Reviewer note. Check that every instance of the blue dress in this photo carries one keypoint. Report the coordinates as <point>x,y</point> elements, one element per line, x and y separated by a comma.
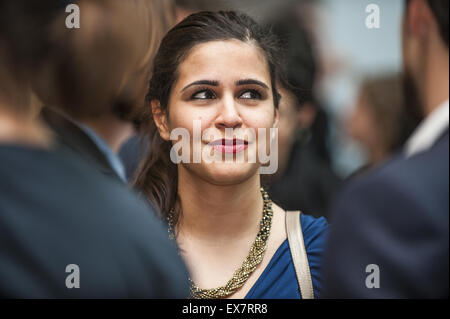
<point>278,280</point>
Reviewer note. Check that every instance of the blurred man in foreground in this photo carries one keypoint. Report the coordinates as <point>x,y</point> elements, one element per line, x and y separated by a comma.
<point>390,235</point>
<point>66,230</point>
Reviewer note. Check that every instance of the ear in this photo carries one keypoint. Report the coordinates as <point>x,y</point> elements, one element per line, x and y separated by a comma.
<point>419,18</point>
<point>273,134</point>
<point>276,118</point>
<point>160,118</point>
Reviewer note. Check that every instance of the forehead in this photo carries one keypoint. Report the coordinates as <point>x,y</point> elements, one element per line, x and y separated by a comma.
<point>224,61</point>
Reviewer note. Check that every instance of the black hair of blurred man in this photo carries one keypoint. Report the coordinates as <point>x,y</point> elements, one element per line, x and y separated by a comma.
<point>300,71</point>
<point>304,179</point>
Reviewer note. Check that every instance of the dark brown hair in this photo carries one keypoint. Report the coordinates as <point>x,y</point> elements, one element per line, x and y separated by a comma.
<point>101,68</point>
<point>157,178</point>
<point>17,40</point>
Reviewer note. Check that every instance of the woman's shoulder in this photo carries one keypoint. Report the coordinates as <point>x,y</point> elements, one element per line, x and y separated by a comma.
<point>315,230</point>
<point>311,224</point>
<point>279,279</point>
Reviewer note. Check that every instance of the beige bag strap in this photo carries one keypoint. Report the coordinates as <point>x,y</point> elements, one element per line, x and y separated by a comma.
<point>298,252</point>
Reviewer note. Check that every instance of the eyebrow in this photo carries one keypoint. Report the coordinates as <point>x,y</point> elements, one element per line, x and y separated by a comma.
<point>216,83</point>
<point>252,81</point>
<point>201,82</point>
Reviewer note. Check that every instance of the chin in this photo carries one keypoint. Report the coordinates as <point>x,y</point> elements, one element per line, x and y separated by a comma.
<point>226,173</point>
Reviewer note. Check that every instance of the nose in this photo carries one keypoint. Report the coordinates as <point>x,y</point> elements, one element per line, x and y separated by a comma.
<point>229,116</point>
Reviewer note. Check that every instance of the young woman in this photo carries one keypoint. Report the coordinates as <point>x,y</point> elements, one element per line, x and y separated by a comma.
<point>220,70</point>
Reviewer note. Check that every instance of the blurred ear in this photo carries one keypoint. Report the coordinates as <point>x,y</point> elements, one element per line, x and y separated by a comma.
<point>276,118</point>
<point>419,18</point>
<point>160,118</point>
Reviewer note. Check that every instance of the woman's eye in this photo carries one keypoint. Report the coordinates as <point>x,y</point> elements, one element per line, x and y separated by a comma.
<point>204,95</point>
<point>251,95</point>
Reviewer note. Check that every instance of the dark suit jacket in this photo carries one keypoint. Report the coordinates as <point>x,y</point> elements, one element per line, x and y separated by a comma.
<point>56,210</point>
<point>72,137</point>
<point>396,217</point>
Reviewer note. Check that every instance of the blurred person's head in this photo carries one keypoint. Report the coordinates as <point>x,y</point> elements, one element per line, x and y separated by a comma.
<point>379,120</point>
<point>425,54</point>
<point>184,8</point>
<point>298,107</point>
<point>102,68</point>
<point>259,10</point>
<point>14,90</point>
<point>18,123</point>
<point>220,68</point>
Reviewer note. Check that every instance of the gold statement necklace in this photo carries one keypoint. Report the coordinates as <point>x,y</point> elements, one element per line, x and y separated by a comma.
<point>250,263</point>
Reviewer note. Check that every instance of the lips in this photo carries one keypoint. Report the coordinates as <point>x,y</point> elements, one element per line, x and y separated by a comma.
<point>229,145</point>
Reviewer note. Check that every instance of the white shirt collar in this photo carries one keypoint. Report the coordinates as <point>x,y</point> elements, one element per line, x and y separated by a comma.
<point>429,130</point>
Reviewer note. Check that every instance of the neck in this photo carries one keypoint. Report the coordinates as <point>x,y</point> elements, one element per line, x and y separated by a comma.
<point>437,82</point>
<point>218,212</point>
<point>111,129</point>
<point>22,129</point>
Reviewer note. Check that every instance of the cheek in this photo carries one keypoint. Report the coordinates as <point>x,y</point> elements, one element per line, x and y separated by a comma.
<point>184,116</point>
<point>259,118</point>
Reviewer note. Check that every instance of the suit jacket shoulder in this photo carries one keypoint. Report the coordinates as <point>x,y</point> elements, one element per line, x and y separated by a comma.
<point>56,210</point>
<point>71,137</point>
<point>395,217</point>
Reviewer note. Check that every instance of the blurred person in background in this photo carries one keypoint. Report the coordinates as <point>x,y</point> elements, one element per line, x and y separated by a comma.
<point>66,230</point>
<point>304,177</point>
<point>185,8</point>
<point>390,233</point>
<point>92,120</point>
<point>380,120</point>
<point>260,10</point>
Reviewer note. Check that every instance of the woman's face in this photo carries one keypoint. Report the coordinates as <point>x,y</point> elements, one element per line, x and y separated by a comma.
<point>226,86</point>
